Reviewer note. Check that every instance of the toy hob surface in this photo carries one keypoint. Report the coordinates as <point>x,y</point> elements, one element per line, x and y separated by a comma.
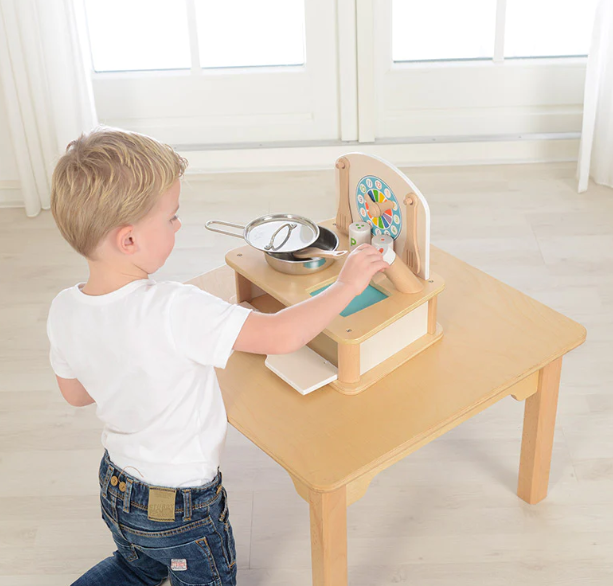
<point>388,327</point>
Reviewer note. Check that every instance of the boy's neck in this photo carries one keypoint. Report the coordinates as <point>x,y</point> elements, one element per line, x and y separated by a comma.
<point>105,278</point>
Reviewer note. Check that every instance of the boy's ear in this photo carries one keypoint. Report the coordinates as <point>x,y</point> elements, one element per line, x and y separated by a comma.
<point>125,240</point>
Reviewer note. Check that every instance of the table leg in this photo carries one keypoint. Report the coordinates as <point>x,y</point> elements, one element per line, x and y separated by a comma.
<point>329,537</point>
<point>537,441</point>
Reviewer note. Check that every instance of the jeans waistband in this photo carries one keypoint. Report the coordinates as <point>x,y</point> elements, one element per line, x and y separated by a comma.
<point>117,483</point>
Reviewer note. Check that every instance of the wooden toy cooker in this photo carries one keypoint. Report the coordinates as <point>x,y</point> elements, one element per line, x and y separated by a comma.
<point>370,343</point>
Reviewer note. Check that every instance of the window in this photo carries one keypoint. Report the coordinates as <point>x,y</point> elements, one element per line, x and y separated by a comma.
<point>235,33</point>
<point>443,29</point>
<point>211,72</point>
<point>218,72</point>
<point>548,28</point>
<point>450,30</point>
<point>466,70</point>
<point>141,35</point>
<point>137,35</point>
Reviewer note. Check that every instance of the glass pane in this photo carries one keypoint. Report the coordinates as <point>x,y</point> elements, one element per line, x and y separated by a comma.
<point>132,35</point>
<point>548,27</point>
<point>243,33</point>
<point>443,29</point>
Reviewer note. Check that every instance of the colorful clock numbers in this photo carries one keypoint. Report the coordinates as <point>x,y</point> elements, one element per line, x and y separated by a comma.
<point>378,206</point>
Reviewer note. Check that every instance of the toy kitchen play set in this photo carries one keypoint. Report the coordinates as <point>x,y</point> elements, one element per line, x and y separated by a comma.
<point>290,259</point>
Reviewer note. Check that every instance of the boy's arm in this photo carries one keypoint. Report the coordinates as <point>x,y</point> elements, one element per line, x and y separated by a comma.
<point>74,392</point>
<point>292,328</point>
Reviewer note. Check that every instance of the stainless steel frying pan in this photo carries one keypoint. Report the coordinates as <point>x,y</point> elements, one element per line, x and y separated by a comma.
<point>273,233</point>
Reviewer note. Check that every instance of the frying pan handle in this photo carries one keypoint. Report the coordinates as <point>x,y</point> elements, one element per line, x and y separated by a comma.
<point>220,223</point>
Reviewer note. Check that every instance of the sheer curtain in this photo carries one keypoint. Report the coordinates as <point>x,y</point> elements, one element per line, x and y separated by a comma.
<point>45,77</point>
<point>596,151</point>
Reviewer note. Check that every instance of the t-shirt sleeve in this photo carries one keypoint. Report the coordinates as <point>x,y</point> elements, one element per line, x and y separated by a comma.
<point>58,362</point>
<point>205,327</point>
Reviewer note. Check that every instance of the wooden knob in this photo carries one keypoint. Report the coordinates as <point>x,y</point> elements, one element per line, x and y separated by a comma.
<point>376,209</point>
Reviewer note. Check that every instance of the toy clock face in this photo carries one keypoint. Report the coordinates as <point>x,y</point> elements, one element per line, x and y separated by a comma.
<point>377,205</point>
<point>377,194</point>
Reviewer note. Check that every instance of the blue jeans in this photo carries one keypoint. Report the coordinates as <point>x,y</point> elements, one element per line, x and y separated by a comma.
<point>197,548</point>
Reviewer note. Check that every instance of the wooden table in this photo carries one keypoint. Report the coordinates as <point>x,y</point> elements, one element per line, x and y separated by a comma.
<point>497,342</point>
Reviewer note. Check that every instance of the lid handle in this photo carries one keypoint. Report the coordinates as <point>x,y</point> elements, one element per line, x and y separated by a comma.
<point>271,246</point>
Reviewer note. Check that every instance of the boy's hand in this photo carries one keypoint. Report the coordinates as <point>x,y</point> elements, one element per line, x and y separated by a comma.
<point>361,266</point>
<point>295,326</point>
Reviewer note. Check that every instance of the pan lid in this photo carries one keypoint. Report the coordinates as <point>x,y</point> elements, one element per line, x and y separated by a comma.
<point>281,233</point>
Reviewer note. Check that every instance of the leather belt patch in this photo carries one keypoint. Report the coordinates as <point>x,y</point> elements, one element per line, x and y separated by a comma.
<point>161,505</point>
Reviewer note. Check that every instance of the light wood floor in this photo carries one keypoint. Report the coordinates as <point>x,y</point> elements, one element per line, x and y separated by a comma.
<point>446,515</point>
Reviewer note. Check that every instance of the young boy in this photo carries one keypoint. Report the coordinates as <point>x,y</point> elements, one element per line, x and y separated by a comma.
<point>145,353</point>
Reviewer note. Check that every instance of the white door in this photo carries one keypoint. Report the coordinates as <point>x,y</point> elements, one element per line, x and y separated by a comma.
<point>206,72</point>
<point>444,68</point>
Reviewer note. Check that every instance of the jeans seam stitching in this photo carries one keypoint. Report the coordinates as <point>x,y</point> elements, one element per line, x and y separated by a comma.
<point>113,522</point>
<point>168,532</point>
<point>223,549</point>
<point>209,554</point>
<point>227,526</point>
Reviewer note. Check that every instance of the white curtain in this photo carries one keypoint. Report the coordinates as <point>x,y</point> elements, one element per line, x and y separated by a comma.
<point>596,151</point>
<point>45,77</point>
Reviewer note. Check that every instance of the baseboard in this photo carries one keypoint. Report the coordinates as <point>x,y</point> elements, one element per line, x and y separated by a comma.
<point>435,152</point>
<point>10,194</point>
<point>303,157</point>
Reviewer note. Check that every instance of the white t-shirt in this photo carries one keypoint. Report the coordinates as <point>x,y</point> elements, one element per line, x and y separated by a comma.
<point>146,354</point>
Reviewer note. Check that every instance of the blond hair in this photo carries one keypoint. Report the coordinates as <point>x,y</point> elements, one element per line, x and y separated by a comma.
<point>107,179</point>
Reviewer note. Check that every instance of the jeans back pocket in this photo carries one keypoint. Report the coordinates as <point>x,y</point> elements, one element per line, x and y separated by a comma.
<point>191,563</point>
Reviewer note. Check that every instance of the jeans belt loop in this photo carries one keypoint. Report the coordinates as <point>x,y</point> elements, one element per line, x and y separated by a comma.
<point>126,495</point>
<point>107,479</point>
<point>187,505</point>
